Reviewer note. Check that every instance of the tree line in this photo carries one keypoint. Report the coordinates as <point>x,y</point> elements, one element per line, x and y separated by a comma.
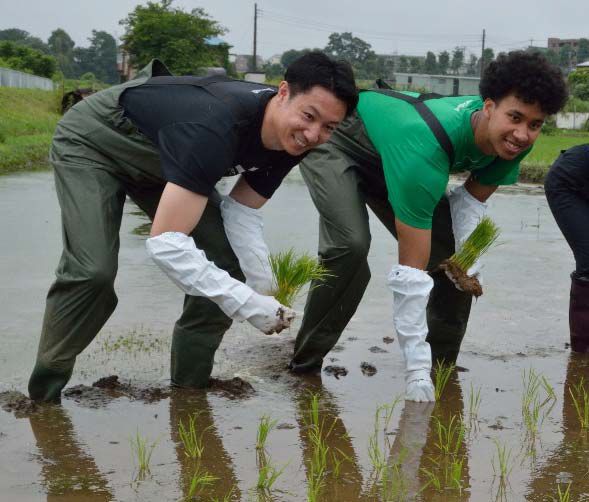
<point>22,51</point>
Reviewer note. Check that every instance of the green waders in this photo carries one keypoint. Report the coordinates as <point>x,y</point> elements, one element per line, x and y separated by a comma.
<point>99,158</point>
<point>342,177</point>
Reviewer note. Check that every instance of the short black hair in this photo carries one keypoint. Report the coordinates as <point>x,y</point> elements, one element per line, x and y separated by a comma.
<point>527,75</point>
<point>316,68</point>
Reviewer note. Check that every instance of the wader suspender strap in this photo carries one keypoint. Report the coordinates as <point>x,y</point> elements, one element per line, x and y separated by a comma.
<point>426,114</point>
<point>243,120</point>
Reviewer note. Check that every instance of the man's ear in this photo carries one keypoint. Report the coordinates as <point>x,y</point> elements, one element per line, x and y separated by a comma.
<point>283,90</point>
<point>488,107</point>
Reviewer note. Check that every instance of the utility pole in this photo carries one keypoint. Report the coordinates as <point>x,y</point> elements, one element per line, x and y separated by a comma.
<point>255,63</point>
<point>482,56</point>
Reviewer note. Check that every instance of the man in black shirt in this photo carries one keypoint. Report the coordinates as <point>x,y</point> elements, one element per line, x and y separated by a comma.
<point>165,142</point>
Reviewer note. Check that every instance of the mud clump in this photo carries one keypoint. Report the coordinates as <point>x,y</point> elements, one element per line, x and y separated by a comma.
<point>377,350</point>
<point>388,339</point>
<point>336,371</point>
<point>109,382</point>
<point>17,403</point>
<point>466,283</point>
<point>368,369</point>
<point>234,388</point>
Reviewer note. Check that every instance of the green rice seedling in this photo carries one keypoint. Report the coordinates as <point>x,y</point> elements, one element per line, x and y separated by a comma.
<point>564,496</point>
<point>227,498</point>
<point>337,462</point>
<point>199,481</point>
<point>450,437</point>
<point>264,428</point>
<point>442,375</point>
<point>535,408</point>
<point>377,455</point>
<point>393,482</point>
<point>142,451</point>
<point>267,476</point>
<point>191,439</point>
<point>432,478</point>
<point>477,244</point>
<point>317,434</point>
<point>292,272</point>
<point>504,465</point>
<point>580,398</point>
<point>474,403</point>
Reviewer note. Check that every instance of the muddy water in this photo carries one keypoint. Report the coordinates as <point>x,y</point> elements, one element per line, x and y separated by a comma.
<point>81,450</point>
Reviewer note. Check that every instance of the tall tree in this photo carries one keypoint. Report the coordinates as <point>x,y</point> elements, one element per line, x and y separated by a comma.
<point>61,46</point>
<point>100,57</point>
<point>415,65</point>
<point>565,56</point>
<point>430,65</point>
<point>457,60</point>
<point>443,62</point>
<point>22,37</point>
<point>583,50</point>
<point>403,64</point>
<point>487,56</point>
<point>472,66</point>
<point>348,47</point>
<point>173,35</point>
<point>19,57</point>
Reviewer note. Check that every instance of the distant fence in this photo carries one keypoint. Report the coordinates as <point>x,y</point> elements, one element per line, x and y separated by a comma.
<point>572,120</point>
<point>14,78</point>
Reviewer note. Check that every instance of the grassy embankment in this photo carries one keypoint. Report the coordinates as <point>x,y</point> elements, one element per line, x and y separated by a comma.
<point>545,151</point>
<point>27,121</point>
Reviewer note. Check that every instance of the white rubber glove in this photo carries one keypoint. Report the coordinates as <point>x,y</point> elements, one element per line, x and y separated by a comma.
<point>466,212</point>
<point>244,228</point>
<point>188,267</point>
<point>411,288</point>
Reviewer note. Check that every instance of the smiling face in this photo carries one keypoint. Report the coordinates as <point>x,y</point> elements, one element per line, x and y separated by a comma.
<point>512,126</point>
<point>301,122</point>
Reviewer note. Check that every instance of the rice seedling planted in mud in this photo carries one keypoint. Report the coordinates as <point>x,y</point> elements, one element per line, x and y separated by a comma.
<point>534,407</point>
<point>267,476</point>
<point>442,373</point>
<point>477,244</point>
<point>191,438</point>
<point>474,403</point>
<point>449,437</point>
<point>199,481</point>
<point>580,398</point>
<point>292,272</point>
<point>504,463</point>
<point>264,428</point>
<point>142,450</point>
<point>564,495</point>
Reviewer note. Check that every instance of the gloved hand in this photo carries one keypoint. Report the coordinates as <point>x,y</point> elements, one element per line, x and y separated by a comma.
<point>244,228</point>
<point>266,314</point>
<point>411,288</point>
<point>188,267</point>
<point>466,212</point>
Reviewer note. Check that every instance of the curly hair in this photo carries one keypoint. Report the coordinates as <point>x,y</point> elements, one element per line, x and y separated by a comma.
<point>527,75</point>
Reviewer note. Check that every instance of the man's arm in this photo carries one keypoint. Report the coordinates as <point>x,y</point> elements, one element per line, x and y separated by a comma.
<point>479,191</point>
<point>244,228</point>
<point>174,251</point>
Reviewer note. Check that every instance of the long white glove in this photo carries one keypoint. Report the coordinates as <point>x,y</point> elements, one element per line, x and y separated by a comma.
<point>411,288</point>
<point>188,267</point>
<point>244,228</point>
<point>466,212</point>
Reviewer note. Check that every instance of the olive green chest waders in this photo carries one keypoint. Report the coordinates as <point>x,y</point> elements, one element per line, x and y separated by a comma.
<point>99,158</point>
<point>344,176</point>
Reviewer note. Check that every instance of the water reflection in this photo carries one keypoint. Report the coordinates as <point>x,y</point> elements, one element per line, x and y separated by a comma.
<point>68,471</point>
<point>568,463</point>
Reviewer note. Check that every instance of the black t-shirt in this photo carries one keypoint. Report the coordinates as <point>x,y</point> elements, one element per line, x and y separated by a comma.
<point>206,129</point>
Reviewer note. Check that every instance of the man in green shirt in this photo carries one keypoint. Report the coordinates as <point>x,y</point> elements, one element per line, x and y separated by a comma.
<point>395,156</point>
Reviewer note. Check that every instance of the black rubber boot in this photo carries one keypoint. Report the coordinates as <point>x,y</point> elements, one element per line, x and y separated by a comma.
<point>579,313</point>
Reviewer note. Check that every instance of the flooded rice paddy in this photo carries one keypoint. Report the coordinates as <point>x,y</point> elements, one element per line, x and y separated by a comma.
<point>506,429</point>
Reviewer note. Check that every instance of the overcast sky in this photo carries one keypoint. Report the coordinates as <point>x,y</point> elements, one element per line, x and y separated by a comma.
<point>390,26</point>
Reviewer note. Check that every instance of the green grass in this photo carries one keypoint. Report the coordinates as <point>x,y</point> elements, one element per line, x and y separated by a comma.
<point>545,151</point>
<point>27,121</point>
